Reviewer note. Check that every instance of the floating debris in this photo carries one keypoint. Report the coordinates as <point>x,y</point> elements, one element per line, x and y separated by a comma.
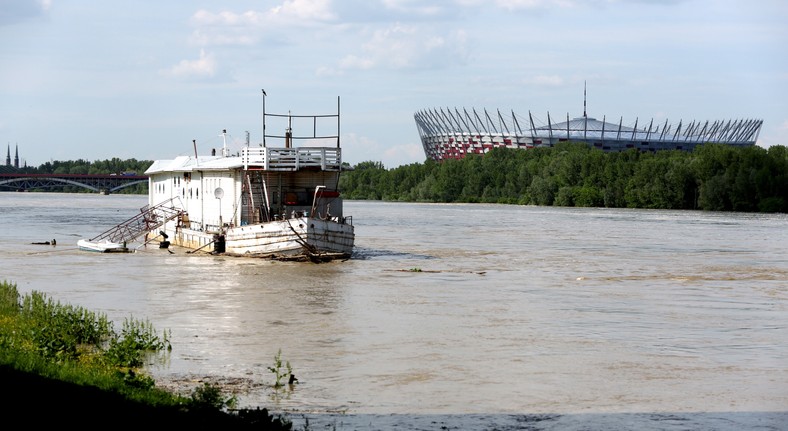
<point>436,271</point>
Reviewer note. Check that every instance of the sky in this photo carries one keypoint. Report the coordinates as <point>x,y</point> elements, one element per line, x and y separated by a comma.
<point>142,79</point>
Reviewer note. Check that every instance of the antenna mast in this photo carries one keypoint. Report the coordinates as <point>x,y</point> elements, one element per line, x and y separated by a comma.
<point>264,116</point>
<point>584,100</point>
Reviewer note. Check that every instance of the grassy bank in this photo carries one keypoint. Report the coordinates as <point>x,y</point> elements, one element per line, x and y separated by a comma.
<point>65,365</point>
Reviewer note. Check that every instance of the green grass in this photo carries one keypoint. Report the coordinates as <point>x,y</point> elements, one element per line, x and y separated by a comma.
<point>62,364</point>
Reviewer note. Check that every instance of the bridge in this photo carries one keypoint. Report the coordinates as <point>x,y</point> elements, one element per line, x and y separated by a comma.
<point>99,183</point>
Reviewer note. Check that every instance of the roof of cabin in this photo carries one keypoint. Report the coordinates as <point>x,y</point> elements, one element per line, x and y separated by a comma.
<point>189,164</point>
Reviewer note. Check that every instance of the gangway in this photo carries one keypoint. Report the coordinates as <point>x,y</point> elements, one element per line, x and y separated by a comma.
<point>150,218</point>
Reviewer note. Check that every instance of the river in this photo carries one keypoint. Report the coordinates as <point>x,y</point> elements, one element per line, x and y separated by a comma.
<point>454,316</point>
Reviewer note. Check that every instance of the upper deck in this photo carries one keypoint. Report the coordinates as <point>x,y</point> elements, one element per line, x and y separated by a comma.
<point>292,159</point>
<point>284,156</point>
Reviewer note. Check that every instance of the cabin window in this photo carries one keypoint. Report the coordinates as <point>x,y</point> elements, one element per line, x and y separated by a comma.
<point>197,193</point>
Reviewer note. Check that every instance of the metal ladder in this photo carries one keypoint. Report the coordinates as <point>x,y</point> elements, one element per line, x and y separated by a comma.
<point>149,218</point>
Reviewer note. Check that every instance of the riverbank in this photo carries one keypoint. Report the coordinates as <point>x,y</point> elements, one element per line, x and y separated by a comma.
<point>40,401</point>
<point>65,365</point>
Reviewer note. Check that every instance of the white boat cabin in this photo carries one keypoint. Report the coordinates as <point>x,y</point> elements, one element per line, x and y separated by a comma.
<point>258,185</point>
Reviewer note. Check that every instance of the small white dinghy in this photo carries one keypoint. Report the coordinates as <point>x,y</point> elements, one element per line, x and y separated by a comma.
<point>102,246</point>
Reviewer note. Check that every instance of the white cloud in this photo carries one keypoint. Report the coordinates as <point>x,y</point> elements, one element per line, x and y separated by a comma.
<point>413,7</point>
<point>404,154</point>
<point>308,10</point>
<point>292,11</point>
<point>326,71</point>
<point>401,46</point>
<point>250,27</point>
<point>355,62</point>
<point>514,5</point>
<point>205,18</point>
<point>205,66</point>
<point>239,37</point>
<point>397,45</point>
<point>227,28</point>
<point>532,4</point>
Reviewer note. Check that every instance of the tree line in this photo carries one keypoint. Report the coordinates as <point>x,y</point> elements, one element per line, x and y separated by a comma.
<point>713,177</point>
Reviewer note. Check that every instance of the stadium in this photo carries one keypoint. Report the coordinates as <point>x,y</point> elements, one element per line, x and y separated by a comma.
<point>452,134</point>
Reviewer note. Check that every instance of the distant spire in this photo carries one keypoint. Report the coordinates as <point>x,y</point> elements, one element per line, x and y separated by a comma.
<point>584,100</point>
<point>8,157</point>
<point>16,157</point>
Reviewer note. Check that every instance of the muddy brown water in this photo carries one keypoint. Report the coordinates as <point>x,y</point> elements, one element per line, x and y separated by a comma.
<point>454,316</point>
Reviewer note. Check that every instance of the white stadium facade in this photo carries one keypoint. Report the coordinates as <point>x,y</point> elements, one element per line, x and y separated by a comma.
<point>452,134</point>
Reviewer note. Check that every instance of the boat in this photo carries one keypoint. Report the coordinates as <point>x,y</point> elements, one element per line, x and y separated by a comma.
<point>102,246</point>
<point>275,199</point>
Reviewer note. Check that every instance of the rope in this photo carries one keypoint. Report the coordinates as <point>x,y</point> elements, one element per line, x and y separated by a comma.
<point>201,247</point>
<point>311,250</point>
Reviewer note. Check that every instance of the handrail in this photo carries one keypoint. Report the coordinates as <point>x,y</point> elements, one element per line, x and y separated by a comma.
<point>149,218</point>
<point>292,159</point>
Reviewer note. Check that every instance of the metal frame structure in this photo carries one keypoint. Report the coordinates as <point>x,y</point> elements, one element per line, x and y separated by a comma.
<point>452,134</point>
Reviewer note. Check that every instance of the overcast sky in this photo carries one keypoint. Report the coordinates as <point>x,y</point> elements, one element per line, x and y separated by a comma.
<point>141,79</point>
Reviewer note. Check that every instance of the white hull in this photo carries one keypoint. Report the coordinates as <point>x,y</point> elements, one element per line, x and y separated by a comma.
<point>102,246</point>
<point>306,238</point>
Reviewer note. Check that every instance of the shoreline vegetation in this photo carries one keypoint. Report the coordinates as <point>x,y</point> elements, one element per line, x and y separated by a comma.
<point>712,177</point>
<point>66,365</point>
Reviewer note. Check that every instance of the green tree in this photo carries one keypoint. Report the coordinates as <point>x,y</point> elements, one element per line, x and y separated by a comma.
<point>713,177</point>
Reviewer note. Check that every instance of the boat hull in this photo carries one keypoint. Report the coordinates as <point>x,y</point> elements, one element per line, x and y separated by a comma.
<point>102,246</point>
<point>292,239</point>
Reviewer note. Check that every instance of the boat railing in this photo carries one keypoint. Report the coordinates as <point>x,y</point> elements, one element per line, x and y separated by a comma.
<point>149,218</point>
<point>292,159</point>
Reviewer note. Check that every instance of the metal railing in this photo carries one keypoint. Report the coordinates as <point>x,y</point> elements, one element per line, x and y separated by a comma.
<point>292,159</point>
<point>149,218</point>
